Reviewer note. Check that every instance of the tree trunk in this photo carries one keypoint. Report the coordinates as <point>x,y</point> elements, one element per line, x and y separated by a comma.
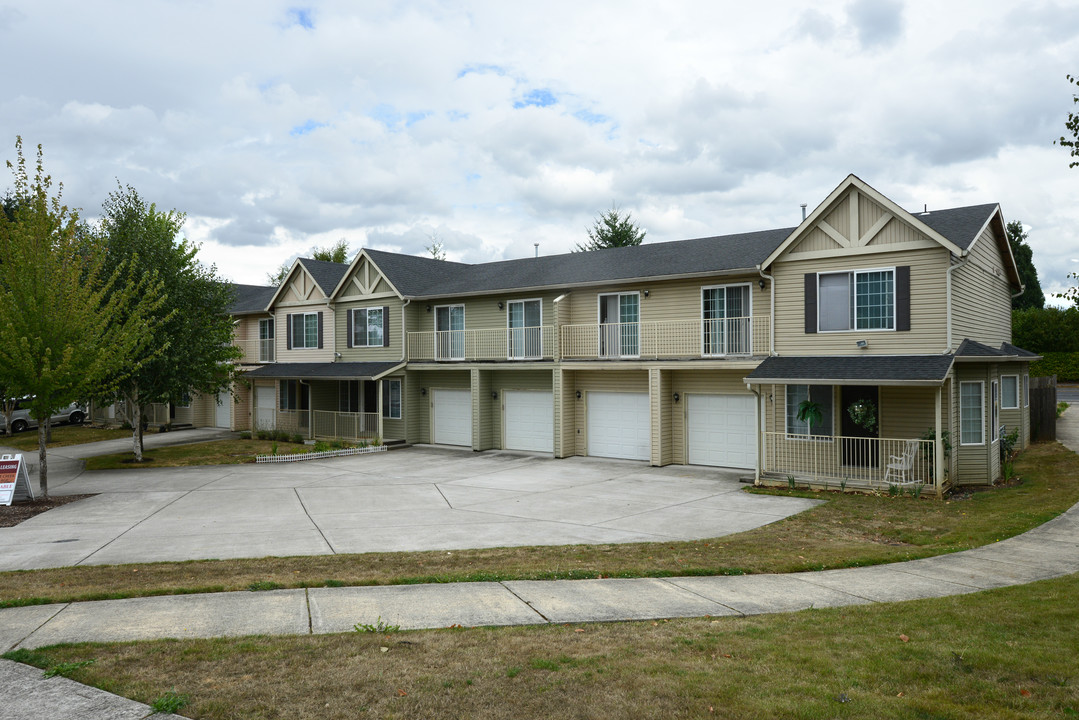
<point>48,429</point>
<point>135,414</point>
<point>42,474</point>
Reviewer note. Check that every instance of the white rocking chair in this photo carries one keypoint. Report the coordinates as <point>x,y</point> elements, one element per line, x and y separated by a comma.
<point>900,468</point>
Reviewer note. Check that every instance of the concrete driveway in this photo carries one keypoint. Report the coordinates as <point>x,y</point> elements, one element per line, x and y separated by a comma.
<point>421,498</point>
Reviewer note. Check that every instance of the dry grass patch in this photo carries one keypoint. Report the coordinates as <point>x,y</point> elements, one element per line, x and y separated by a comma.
<point>213,452</point>
<point>847,531</point>
<point>995,654</point>
<point>64,435</point>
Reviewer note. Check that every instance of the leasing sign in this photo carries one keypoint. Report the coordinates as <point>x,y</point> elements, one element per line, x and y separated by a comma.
<point>14,480</point>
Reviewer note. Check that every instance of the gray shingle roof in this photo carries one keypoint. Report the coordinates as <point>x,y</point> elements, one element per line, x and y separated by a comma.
<point>418,277</point>
<point>326,274</point>
<point>960,225</point>
<point>1013,350</point>
<point>324,370</point>
<point>972,348</point>
<point>835,370</point>
<point>250,298</point>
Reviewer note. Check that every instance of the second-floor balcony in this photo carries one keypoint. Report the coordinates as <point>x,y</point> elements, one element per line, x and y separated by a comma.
<point>530,343</point>
<point>256,351</point>
<point>718,338</point>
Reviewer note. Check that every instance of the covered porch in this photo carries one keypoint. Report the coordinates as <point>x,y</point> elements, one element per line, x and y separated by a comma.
<point>874,422</point>
<point>346,401</point>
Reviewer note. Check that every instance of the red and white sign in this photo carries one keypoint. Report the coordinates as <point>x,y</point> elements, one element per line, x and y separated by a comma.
<point>13,475</point>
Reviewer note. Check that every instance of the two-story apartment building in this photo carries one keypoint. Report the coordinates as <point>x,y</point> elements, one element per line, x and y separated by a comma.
<point>894,326</point>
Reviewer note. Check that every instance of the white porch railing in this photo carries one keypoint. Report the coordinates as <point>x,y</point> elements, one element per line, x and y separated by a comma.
<point>256,351</point>
<point>534,343</point>
<point>290,421</point>
<point>345,425</point>
<point>742,336</point>
<point>873,462</point>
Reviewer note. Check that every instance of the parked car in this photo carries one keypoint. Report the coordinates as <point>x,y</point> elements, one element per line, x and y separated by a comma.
<point>21,420</point>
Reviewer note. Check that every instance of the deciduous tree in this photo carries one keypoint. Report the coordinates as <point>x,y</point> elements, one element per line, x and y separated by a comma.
<point>67,327</point>
<point>1032,296</point>
<point>1072,125</point>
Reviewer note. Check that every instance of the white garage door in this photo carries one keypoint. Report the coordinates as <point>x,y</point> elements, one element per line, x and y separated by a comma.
<point>619,425</point>
<point>722,430</point>
<point>452,414</point>
<point>529,420</point>
<point>223,411</point>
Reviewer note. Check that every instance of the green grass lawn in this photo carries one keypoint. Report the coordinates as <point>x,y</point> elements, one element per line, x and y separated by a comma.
<point>1008,653</point>
<point>846,531</point>
<point>64,435</point>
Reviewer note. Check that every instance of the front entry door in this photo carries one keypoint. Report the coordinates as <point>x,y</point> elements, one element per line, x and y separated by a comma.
<point>860,448</point>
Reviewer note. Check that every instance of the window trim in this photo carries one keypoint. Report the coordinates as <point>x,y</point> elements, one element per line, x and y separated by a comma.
<point>854,277</point>
<point>703,319</point>
<point>994,411</point>
<point>366,323</point>
<point>981,408</point>
<point>292,338</point>
<point>523,356</point>
<point>1002,405</point>
<point>599,323</point>
<point>1026,389</point>
<point>387,407</point>
<point>830,437</point>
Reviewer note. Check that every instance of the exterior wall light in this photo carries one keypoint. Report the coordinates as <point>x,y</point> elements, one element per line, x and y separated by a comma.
<point>761,283</point>
<point>494,395</point>
<point>500,305</point>
<point>423,391</point>
<point>676,398</point>
<point>578,394</point>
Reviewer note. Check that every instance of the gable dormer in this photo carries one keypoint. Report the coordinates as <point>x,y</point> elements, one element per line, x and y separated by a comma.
<point>364,280</point>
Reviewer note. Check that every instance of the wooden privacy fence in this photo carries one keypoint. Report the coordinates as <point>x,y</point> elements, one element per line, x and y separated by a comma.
<point>1043,408</point>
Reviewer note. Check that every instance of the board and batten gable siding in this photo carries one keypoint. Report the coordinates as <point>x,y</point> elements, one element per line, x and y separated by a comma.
<point>928,318</point>
<point>981,295</point>
<point>667,301</point>
<point>391,324</point>
<point>363,282</point>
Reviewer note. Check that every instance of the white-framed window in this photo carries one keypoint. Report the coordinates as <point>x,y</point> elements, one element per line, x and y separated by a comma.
<point>620,324</point>
<point>524,319</point>
<point>266,340</point>
<point>391,399</point>
<point>857,300</point>
<point>1026,390</point>
<point>820,394</point>
<point>293,395</point>
<point>972,413</point>
<point>367,324</point>
<point>450,332</point>
<point>726,314</point>
<point>304,330</point>
<point>1009,392</point>
<point>994,411</point>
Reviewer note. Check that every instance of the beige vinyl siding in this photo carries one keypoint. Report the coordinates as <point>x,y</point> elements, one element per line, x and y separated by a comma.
<point>977,464</point>
<point>981,296</point>
<point>369,354</point>
<point>482,313</point>
<point>325,354</point>
<point>417,408</point>
<point>501,381</point>
<point>241,406</point>
<point>483,410</point>
<point>928,324</point>
<point>699,382</point>
<point>202,410</point>
<point>364,281</point>
<point>661,405</point>
<point>184,415</point>
<point>566,414</point>
<point>324,395</point>
<point>908,412</point>
<point>601,381</point>
<point>1016,417</point>
<point>670,300</point>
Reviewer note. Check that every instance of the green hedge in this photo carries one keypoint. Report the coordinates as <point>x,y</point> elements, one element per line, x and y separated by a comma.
<point>1065,365</point>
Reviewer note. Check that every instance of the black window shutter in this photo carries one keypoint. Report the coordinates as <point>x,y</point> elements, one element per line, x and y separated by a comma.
<point>902,297</point>
<point>288,331</point>
<point>385,326</point>
<point>348,328</point>
<point>319,329</point>
<point>811,302</point>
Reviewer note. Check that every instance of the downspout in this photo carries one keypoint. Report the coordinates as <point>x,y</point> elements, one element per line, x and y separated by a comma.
<point>772,309</point>
<point>948,293</point>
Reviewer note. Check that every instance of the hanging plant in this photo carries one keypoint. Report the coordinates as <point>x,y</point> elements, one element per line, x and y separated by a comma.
<point>864,414</point>
<point>810,413</point>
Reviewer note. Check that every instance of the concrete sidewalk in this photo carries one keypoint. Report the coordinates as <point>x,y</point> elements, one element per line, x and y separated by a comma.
<point>1048,551</point>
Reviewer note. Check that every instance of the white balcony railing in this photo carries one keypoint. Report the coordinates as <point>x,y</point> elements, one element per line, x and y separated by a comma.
<point>534,343</point>
<point>256,351</point>
<point>345,425</point>
<point>726,337</point>
<point>858,462</point>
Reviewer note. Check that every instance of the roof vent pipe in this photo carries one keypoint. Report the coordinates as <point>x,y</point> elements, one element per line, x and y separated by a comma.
<point>537,249</point>
<point>803,206</point>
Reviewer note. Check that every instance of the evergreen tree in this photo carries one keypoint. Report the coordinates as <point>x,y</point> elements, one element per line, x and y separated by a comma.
<point>612,229</point>
<point>1032,296</point>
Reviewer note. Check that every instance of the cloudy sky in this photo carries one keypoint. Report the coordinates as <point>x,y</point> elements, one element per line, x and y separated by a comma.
<point>278,127</point>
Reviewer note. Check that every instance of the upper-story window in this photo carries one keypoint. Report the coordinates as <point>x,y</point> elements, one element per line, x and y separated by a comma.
<point>367,327</point>
<point>1009,392</point>
<point>524,318</point>
<point>266,340</point>
<point>304,330</point>
<point>725,320</point>
<point>858,300</point>
<point>620,321</point>
<point>450,332</point>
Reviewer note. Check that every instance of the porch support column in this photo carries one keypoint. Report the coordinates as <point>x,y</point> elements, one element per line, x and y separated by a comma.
<point>938,450</point>
<point>378,405</point>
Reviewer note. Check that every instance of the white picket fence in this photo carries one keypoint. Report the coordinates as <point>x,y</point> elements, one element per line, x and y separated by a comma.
<point>298,457</point>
